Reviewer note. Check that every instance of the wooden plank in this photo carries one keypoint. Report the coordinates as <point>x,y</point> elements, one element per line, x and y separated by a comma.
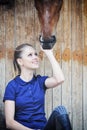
<point>77,64</point>
<point>57,92</point>
<point>24,22</point>
<point>19,22</point>
<point>29,22</point>
<point>2,62</point>
<point>9,32</point>
<point>84,33</point>
<point>49,97</point>
<point>66,57</point>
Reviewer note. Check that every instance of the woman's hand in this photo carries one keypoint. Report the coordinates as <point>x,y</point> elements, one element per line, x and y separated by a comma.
<point>47,51</point>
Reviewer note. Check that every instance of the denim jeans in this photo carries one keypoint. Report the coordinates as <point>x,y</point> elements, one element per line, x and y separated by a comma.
<point>59,120</point>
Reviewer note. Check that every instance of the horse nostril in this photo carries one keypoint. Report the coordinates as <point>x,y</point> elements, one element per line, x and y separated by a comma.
<point>51,39</point>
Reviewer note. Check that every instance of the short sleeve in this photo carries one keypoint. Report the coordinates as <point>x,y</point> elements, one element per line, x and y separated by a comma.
<point>9,92</point>
<point>42,81</point>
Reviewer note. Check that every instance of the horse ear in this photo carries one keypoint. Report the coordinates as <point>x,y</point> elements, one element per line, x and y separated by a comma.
<point>60,4</point>
<point>39,5</point>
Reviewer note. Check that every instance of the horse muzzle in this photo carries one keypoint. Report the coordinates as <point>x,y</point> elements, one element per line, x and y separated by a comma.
<point>47,43</point>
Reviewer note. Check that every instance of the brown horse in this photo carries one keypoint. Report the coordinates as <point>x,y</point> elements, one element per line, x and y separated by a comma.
<point>48,13</point>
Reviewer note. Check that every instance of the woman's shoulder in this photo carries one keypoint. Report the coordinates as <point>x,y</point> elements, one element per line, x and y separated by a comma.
<point>12,83</point>
<point>41,77</point>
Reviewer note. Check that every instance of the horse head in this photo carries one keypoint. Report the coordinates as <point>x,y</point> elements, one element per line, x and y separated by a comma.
<point>48,13</point>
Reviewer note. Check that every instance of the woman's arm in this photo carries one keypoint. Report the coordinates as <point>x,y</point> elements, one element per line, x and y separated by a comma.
<point>58,76</point>
<point>9,115</point>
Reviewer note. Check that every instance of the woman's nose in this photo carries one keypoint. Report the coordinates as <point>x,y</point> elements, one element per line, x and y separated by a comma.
<point>35,56</point>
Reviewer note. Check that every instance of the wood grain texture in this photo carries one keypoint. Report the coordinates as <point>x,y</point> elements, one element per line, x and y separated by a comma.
<point>21,25</point>
<point>76,67</point>
<point>2,62</point>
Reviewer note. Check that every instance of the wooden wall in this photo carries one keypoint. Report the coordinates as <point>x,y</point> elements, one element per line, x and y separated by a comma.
<point>20,25</point>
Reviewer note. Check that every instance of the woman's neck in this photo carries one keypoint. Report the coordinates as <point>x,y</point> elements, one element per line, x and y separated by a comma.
<point>26,76</point>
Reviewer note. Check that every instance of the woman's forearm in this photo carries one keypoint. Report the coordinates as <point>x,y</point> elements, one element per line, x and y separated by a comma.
<point>57,71</point>
<point>14,125</point>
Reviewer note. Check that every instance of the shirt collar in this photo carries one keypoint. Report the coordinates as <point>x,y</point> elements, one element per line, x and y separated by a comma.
<point>22,82</point>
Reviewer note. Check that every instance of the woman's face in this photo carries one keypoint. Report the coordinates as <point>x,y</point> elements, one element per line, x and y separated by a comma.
<point>29,58</point>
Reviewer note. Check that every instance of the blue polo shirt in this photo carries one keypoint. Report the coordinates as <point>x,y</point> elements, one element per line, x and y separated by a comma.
<point>29,100</point>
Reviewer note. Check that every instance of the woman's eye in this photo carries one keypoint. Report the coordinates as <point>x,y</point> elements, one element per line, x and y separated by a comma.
<point>36,54</point>
<point>30,54</point>
<point>33,54</point>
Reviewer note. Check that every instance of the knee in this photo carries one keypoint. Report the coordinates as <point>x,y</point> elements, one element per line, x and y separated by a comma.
<point>60,110</point>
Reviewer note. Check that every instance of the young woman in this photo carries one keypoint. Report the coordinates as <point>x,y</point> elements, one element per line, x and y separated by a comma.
<point>24,95</point>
